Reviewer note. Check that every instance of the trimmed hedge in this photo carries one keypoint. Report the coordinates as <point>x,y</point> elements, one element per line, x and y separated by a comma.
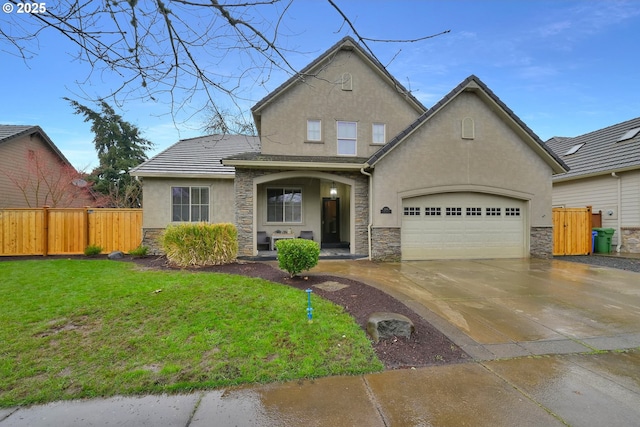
<point>297,255</point>
<point>200,244</point>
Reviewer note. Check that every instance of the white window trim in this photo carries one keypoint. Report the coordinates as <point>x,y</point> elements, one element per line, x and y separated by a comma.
<point>338,139</point>
<point>320,129</point>
<point>373,133</point>
<point>191,187</point>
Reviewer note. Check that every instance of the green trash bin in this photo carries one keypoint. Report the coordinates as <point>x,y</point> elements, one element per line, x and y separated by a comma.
<point>603,240</point>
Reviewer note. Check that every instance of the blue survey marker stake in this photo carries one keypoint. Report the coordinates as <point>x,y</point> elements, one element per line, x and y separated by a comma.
<point>309,309</point>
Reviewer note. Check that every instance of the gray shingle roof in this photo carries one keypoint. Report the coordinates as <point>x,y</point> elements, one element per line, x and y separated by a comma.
<point>10,131</point>
<point>601,153</point>
<point>199,156</point>
<point>470,82</point>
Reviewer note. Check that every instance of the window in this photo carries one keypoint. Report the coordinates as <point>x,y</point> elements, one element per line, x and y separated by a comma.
<point>512,211</point>
<point>453,211</point>
<point>630,134</point>
<point>432,211</point>
<point>378,133</point>
<point>574,149</point>
<point>492,211</point>
<point>347,138</point>
<point>314,130</point>
<point>284,205</point>
<point>474,211</point>
<point>190,204</point>
<point>411,211</point>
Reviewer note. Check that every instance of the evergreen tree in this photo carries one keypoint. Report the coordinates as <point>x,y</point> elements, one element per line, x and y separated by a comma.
<point>120,147</point>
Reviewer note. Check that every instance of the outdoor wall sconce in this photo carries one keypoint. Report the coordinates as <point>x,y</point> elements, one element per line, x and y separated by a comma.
<point>334,191</point>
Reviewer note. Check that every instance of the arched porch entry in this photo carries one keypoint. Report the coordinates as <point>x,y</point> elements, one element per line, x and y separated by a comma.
<point>311,201</point>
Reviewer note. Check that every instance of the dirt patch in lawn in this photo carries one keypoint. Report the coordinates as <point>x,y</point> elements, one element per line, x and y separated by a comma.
<point>426,347</point>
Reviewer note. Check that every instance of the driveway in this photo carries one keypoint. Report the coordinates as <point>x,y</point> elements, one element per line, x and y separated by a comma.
<point>508,308</point>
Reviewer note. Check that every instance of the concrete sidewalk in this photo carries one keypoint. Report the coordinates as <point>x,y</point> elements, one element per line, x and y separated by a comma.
<point>576,390</point>
<point>554,343</point>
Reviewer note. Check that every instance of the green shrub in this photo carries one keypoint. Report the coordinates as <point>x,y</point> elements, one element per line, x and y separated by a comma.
<point>200,244</point>
<point>92,250</point>
<point>140,251</point>
<point>297,255</point>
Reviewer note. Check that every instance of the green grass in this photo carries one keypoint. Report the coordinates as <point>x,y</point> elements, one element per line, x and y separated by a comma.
<point>87,328</point>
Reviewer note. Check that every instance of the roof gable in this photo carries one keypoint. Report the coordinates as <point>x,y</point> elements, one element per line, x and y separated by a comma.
<point>347,44</point>
<point>611,149</point>
<point>474,84</point>
<point>10,132</point>
<point>198,157</point>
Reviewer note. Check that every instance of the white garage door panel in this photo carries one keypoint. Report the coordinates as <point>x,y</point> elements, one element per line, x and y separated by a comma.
<point>465,236</point>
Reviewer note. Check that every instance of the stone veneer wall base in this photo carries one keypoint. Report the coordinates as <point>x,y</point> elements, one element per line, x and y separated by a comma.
<point>630,240</point>
<point>385,244</point>
<point>541,242</point>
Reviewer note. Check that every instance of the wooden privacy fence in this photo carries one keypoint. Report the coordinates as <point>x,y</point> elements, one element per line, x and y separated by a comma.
<point>53,231</point>
<point>572,231</point>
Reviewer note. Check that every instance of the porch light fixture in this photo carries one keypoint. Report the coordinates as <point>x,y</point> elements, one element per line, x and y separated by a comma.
<point>334,191</point>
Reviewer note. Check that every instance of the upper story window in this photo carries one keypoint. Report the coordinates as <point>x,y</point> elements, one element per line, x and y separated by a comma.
<point>190,204</point>
<point>347,138</point>
<point>314,130</point>
<point>378,133</point>
<point>284,205</point>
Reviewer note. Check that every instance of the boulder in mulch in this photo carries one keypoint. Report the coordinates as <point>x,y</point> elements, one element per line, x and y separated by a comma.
<point>383,325</point>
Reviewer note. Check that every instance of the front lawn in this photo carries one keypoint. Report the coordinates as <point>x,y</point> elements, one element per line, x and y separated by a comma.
<point>87,328</point>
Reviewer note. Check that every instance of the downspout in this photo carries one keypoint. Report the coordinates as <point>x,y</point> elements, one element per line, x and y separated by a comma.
<point>370,224</point>
<point>619,178</point>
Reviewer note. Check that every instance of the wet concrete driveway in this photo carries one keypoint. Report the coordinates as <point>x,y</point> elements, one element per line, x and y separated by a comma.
<point>554,343</point>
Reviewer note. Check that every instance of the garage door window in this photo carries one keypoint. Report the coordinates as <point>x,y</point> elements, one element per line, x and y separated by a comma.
<point>411,211</point>
<point>512,211</point>
<point>474,211</point>
<point>453,211</point>
<point>492,211</point>
<point>432,211</point>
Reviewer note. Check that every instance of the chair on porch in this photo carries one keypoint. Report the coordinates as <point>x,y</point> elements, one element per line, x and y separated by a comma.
<point>306,235</point>
<point>263,240</point>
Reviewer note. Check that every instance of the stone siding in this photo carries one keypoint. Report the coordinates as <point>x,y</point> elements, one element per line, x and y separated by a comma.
<point>386,244</point>
<point>541,242</point>
<point>244,198</point>
<point>631,239</point>
<point>151,239</point>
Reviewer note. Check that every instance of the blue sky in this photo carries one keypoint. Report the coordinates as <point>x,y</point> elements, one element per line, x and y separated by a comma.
<point>564,67</point>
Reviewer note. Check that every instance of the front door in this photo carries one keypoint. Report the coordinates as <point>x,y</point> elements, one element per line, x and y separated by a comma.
<point>330,221</point>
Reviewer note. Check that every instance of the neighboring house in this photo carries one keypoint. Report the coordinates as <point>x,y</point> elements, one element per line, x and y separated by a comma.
<point>605,174</point>
<point>347,153</point>
<point>34,173</point>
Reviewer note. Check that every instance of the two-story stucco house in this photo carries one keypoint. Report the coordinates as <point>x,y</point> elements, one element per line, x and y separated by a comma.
<point>347,153</point>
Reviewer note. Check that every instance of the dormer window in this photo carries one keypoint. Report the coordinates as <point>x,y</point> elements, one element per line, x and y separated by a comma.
<point>630,134</point>
<point>574,149</point>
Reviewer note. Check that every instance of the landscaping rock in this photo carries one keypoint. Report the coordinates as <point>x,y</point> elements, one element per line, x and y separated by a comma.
<point>115,255</point>
<point>383,325</point>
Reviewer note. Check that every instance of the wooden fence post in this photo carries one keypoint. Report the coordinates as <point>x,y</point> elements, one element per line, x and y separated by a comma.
<point>45,230</point>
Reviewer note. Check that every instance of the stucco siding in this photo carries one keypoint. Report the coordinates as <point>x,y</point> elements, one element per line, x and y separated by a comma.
<point>284,119</point>
<point>157,200</point>
<point>435,158</point>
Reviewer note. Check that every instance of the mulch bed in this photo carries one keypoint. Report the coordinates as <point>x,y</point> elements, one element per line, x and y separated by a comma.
<point>426,347</point>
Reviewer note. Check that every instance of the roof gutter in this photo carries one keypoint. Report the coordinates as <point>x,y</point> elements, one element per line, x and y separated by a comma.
<point>370,223</point>
<point>293,165</point>
<point>619,178</point>
<point>594,174</point>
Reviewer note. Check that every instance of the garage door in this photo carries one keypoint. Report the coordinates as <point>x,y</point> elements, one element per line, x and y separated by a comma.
<point>463,225</point>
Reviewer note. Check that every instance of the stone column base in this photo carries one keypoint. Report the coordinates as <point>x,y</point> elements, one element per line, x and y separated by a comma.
<point>541,242</point>
<point>385,244</point>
